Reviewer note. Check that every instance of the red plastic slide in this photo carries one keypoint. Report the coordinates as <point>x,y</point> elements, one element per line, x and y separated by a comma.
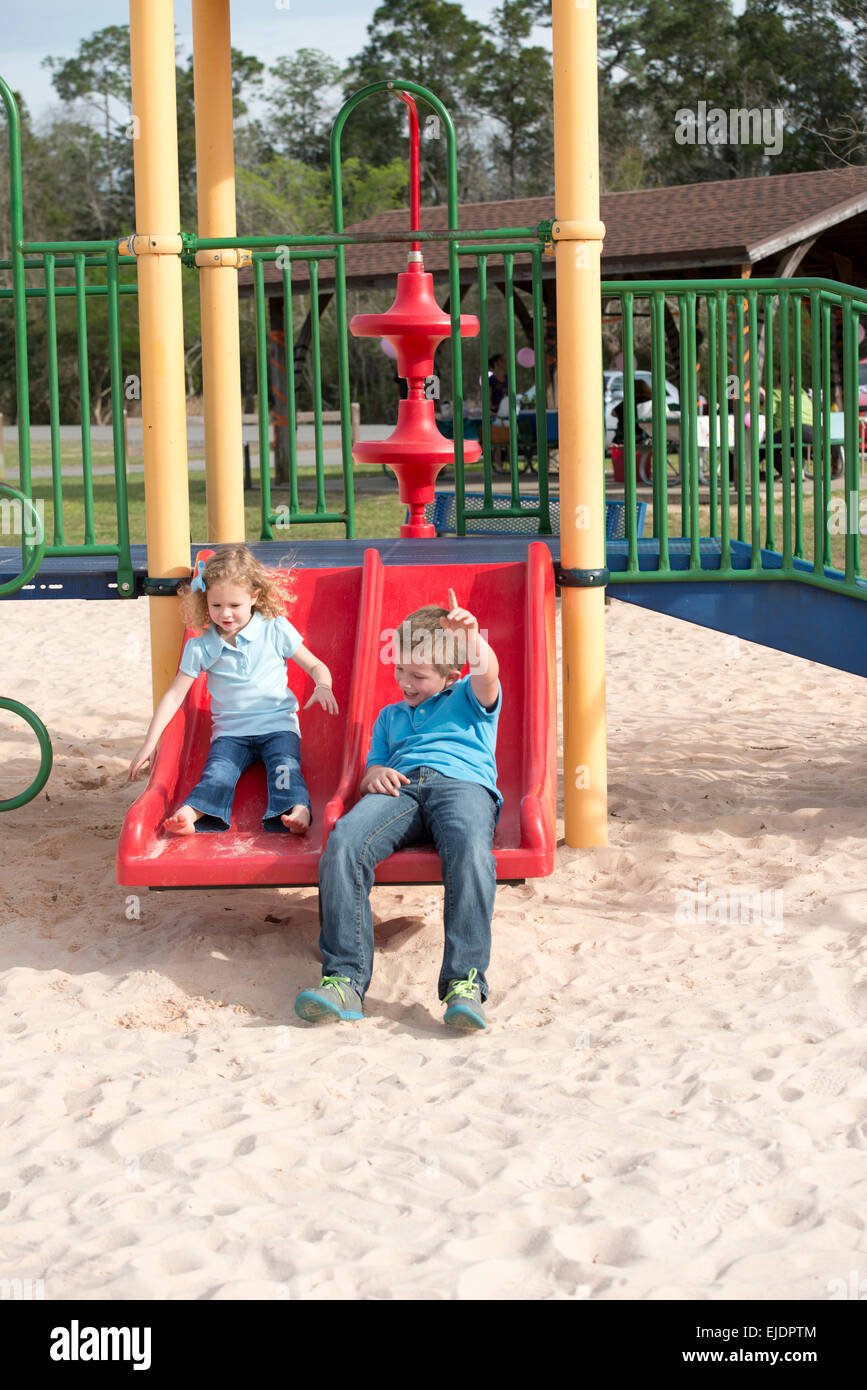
<point>342,615</point>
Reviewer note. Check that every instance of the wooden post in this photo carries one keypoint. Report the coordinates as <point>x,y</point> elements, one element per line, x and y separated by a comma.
<point>161,321</point>
<point>218,283</point>
<point>578,234</point>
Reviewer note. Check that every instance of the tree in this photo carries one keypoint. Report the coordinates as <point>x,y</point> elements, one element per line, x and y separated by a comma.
<point>97,139</point>
<point>301,113</point>
<point>433,43</point>
<point>98,75</point>
<point>820,80</point>
<point>514,85</point>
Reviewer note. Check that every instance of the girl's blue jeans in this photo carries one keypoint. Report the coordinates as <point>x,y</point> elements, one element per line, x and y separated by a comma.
<point>228,758</point>
<point>460,819</point>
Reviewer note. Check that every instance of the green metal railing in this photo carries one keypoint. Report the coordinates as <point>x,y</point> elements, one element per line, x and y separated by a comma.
<point>44,259</point>
<point>790,323</point>
<point>289,251</point>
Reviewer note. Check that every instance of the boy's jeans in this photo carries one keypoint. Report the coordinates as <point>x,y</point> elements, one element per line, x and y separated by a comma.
<point>460,818</point>
<point>229,757</point>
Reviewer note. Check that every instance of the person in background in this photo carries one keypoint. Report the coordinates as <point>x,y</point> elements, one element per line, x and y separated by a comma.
<point>498,386</point>
<point>806,428</point>
<point>498,381</point>
<point>643,393</point>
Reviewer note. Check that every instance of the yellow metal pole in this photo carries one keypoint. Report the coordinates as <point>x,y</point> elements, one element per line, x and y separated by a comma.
<point>221,351</point>
<point>578,237</point>
<point>161,322</point>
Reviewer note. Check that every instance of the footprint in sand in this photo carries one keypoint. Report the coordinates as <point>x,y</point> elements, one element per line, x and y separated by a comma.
<point>701,1222</point>
<point>784,1212</point>
<point>597,1243</point>
<point>564,1161</point>
<point>831,1083</point>
<point>504,1280</point>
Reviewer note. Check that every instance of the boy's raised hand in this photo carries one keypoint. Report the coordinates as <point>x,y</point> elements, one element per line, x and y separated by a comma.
<point>484,667</point>
<point>458,618</point>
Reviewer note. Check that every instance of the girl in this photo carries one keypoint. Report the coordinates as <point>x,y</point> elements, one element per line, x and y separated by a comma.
<point>238,606</point>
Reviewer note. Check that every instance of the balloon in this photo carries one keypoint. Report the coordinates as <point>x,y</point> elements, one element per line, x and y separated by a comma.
<point>526,357</point>
<point>388,348</point>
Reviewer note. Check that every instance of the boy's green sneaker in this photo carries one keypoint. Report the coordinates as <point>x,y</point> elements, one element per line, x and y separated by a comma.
<point>465,1009</point>
<point>334,999</point>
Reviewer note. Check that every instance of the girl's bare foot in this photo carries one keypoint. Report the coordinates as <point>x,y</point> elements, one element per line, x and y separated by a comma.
<point>297,820</point>
<point>183,822</point>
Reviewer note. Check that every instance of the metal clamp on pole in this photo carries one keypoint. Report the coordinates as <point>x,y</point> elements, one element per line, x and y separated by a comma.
<point>151,245</point>
<point>563,230</point>
<point>231,257</point>
<point>583,579</point>
<point>158,588</point>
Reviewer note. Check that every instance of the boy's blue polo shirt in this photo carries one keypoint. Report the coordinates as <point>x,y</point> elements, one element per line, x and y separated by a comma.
<point>247,682</point>
<point>451,732</point>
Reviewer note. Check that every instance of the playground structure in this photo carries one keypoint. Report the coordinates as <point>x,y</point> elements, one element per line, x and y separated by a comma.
<point>732,575</point>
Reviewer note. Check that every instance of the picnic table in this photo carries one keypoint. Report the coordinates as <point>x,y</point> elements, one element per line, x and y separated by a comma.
<point>528,449</point>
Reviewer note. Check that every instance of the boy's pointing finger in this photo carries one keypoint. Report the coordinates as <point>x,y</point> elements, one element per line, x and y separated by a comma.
<point>453,603</point>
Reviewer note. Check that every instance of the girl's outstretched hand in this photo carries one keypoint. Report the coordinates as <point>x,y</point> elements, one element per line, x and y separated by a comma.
<point>323,695</point>
<point>144,755</point>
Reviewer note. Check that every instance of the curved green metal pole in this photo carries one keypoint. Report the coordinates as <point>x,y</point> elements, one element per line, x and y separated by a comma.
<point>27,529</point>
<point>46,755</point>
<point>36,724</point>
<point>337,130</point>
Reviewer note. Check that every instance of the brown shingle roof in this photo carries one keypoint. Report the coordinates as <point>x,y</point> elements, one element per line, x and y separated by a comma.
<point>731,221</point>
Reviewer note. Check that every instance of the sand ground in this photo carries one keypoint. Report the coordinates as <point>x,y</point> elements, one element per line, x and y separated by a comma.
<point>671,1100</point>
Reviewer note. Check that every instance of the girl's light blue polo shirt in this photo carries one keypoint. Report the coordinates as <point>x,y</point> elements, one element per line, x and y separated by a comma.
<point>451,732</point>
<point>247,683</point>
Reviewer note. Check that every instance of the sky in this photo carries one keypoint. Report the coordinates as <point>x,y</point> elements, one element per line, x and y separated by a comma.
<point>265,28</point>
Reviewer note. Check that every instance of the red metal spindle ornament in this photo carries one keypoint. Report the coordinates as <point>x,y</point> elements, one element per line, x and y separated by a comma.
<point>415,325</point>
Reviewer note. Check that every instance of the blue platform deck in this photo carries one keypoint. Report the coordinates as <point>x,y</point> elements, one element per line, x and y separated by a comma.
<point>94,577</point>
<point>802,619</point>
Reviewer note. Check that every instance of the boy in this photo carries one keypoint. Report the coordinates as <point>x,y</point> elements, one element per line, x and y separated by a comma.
<point>431,774</point>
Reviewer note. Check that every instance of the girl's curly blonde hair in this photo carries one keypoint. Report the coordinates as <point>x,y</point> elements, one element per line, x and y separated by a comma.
<point>238,565</point>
